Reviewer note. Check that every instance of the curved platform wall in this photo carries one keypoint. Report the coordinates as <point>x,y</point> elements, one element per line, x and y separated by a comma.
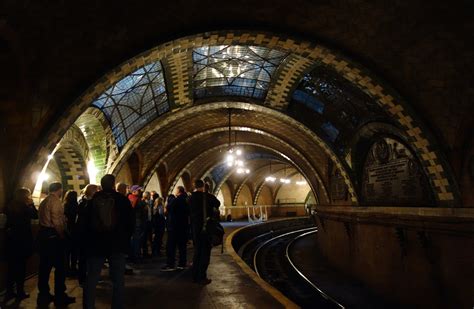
<point>416,256</point>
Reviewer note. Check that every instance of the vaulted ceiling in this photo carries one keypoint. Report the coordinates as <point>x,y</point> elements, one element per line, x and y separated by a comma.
<point>51,55</point>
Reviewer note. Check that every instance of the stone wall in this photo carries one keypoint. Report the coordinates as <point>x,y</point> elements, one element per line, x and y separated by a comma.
<point>415,256</point>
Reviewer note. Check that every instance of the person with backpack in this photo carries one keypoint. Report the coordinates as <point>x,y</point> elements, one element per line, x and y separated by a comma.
<point>110,225</point>
<point>178,227</point>
<point>203,205</point>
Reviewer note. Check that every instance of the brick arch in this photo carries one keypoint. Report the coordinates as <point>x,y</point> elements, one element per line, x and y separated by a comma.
<point>216,148</point>
<point>99,138</point>
<point>72,167</point>
<point>244,188</point>
<point>434,163</point>
<point>311,170</point>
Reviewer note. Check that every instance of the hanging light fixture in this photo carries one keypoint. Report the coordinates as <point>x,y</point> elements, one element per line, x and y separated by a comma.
<point>270,178</point>
<point>285,180</point>
<point>234,154</point>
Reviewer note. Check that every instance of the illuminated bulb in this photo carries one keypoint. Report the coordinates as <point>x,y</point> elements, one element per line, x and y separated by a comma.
<point>230,158</point>
<point>301,183</point>
<point>50,157</point>
<point>240,171</point>
<point>239,163</point>
<point>247,171</point>
<point>229,164</point>
<point>270,179</point>
<point>43,177</point>
<point>238,152</point>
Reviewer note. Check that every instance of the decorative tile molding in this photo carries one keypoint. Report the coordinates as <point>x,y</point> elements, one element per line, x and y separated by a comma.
<point>302,52</point>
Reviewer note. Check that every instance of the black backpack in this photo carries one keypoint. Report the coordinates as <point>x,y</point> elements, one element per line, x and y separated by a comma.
<point>212,227</point>
<point>104,213</point>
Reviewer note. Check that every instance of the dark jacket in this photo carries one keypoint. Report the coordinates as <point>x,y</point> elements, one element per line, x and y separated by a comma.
<point>18,227</point>
<point>117,240</point>
<point>80,231</point>
<point>196,202</point>
<point>70,211</point>
<point>178,214</point>
<point>140,214</point>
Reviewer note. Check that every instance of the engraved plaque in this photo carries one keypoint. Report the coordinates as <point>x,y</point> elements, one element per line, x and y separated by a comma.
<point>392,176</point>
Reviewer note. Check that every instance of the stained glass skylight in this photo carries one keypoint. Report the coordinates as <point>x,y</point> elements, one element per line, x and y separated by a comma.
<point>234,70</point>
<point>332,106</point>
<point>134,101</point>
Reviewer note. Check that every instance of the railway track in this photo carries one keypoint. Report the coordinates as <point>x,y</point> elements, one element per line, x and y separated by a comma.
<point>269,255</point>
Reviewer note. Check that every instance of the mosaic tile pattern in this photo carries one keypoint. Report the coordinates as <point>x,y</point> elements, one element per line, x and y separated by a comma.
<point>434,164</point>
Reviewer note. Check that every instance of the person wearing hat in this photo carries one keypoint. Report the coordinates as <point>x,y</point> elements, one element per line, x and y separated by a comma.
<point>135,195</point>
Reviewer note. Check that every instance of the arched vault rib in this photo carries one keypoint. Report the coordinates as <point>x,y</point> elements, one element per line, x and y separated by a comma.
<point>434,162</point>
<point>213,149</point>
<point>153,127</point>
<point>195,138</point>
<point>255,173</point>
<point>245,180</point>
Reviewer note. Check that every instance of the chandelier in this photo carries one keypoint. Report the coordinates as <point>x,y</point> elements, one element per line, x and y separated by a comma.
<point>234,156</point>
<point>285,180</point>
<point>270,178</point>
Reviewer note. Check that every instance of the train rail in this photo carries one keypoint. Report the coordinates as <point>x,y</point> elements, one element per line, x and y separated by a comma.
<point>269,255</point>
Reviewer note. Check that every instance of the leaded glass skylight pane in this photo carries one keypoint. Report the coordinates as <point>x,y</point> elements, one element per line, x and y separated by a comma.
<point>333,107</point>
<point>234,70</point>
<point>134,101</point>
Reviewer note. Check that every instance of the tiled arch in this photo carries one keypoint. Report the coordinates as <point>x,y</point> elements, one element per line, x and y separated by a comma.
<point>201,134</point>
<point>434,164</point>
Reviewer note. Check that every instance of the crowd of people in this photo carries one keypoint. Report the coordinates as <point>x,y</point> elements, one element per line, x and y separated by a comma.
<point>109,223</point>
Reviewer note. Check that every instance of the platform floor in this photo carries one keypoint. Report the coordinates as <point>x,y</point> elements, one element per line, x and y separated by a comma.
<point>148,287</point>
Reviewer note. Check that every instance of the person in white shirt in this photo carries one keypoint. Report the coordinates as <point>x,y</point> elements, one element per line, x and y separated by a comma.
<point>52,248</point>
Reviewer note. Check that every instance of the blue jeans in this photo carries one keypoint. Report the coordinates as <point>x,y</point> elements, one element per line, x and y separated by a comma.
<point>116,273</point>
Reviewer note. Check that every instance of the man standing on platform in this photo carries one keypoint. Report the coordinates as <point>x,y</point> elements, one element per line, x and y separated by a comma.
<point>202,245</point>
<point>178,228</point>
<point>110,225</point>
<point>51,237</point>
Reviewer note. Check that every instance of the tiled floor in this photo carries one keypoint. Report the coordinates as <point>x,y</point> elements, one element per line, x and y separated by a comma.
<point>148,287</point>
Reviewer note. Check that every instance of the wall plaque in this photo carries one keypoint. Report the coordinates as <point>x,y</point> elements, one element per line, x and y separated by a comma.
<point>392,176</point>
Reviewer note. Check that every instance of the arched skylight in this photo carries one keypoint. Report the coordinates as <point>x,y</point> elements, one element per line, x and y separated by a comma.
<point>134,101</point>
<point>330,105</point>
<point>234,70</point>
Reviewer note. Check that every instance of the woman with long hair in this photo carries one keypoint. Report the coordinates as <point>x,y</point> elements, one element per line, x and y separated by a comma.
<point>19,241</point>
<point>81,228</point>
<point>70,211</point>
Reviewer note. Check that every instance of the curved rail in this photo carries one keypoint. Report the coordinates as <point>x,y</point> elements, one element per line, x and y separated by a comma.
<point>255,256</point>
<point>287,254</point>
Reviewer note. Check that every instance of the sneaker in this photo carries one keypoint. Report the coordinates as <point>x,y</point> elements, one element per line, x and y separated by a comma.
<point>64,300</point>
<point>44,299</point>
<point>168,268</point>
<point>181,267</point>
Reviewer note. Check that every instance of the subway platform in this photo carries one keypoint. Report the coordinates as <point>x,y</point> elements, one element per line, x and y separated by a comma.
<point>148,287</point>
